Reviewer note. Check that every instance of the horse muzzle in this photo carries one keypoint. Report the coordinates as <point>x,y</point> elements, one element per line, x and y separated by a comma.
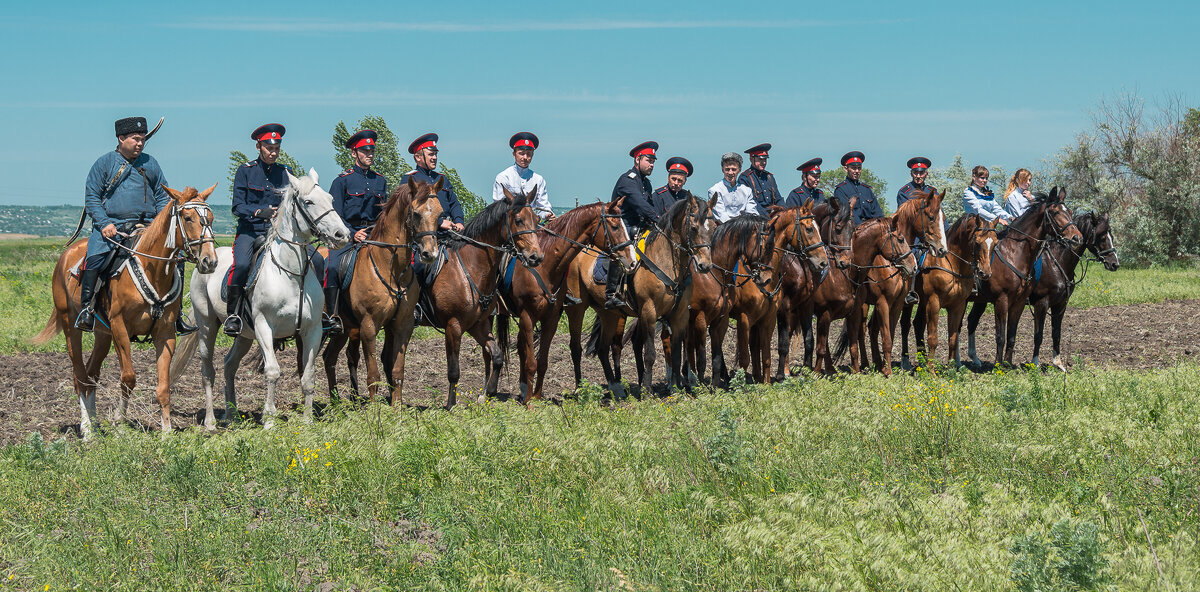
<point>206,265</point>
<point>532,260</point>
<point>1112,265</point>
<point>819,263</point>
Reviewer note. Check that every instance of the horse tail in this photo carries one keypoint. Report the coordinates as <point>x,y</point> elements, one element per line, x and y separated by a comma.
<point>594,335</point>
<point>48,332</point>
<point>185,348</point>
<point>843,343</point>
<point>502,337</point>
<point>630,328</point>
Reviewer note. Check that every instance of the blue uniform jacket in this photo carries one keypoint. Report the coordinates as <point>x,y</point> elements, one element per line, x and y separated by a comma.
<point>636,209</point>
<point>450,206</point>
<point>358,196</point>
<point>909,190</point>
<point>802,194</point>
<point>663,199</point>
<point>762,184</point>
<point>137,193</point>
<point>867,206</point>
<point>257,185</point>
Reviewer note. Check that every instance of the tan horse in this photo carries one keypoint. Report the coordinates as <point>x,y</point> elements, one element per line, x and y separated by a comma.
<point>185,225</point>
<point>383,291</point>
<point>754,293</point>
<point>946,282</point>
<point>892,248</point>
<point>660,288</point>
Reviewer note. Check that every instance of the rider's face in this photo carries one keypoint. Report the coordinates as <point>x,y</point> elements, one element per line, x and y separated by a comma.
<point>731,170</point>
<point>523,156</point>
<point>427,158</point>
<point>269,153</point>
<point>759,162</point>
<point>364,157</point>
<point>853,171</point>
<point>645,164</point>
<point>130,145</point>
<point>811,178</point>
<point>919,174</point>
<point>675,181</point>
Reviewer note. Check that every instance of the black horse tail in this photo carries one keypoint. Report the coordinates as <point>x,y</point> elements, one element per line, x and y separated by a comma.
<point>839,349</point>
<point>593,337</point>
<point>502,337</point>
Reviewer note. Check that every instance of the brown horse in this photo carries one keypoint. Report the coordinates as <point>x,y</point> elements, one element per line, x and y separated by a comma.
<point>180,232</point>
<point>1048,220</point>
<point>754,293</point>
<point>461,297</point>
<point>383,290</point>
<point>920,218</point>
<point>885,248</point>
<point>1058,282</point>
<point>536,295</point>
<point>660,287</point>
<point>946,282</point>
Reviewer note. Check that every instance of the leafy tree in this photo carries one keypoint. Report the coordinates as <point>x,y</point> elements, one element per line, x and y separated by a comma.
<point>832,177</point>
<point>237,158</point>
<point>955,178</point>
<point>388,161</point>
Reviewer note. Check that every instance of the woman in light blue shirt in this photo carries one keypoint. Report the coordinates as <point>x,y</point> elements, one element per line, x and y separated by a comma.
<point>979,199</point>
<point>1016,196</point>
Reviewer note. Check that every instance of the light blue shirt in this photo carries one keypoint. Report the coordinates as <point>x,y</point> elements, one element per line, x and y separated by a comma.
<point>984,204</point>
<point>523,181</point>
<point>733,201</point>
<point>1016,203</point>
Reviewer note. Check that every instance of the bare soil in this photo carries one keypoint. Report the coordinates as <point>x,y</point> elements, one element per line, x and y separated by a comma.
<point>36,396</point>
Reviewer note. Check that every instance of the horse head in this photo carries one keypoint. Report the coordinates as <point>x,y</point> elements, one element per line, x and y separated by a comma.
<point>616,241</point>
<point>1101,242</point>
<point>1062,225</point>
<point>934,223</point>
<point>310,211</point>
<point>521,228</point>
<point>698,226</point>
<point>983,242</point>
<point>192,226</point>
<point>801,225</point>
<point>424,216</point>
<point>895,249</point>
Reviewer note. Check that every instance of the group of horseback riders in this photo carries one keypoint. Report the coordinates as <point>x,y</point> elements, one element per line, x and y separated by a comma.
<point>125,188</point>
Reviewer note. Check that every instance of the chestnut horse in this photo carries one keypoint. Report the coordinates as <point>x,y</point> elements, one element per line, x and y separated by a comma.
<point>946,282</point>
<point>921,218</point>
<point>180,232</point>
<point>876,284</point>
<point>1048,220</point>
<point>754,293</point>
<point>661,287</point>
<point>1058,281</point>
<point>383,291</point>
<point>461,296</point>
<point>536,295</point>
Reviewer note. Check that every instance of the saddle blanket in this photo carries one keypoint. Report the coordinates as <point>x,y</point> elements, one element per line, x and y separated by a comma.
<point>600,269</point>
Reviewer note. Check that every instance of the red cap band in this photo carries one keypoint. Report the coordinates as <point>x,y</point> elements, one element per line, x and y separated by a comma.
<point>679,166</point>
<point>919,165</point>
<point>853,160</point>
<point>364,142</point>
<point>759,153</point>
<point>813,168</point>
<point>524,143</point>
<point>429,144</point>
<point>269,136</point>
<point>644,152</point>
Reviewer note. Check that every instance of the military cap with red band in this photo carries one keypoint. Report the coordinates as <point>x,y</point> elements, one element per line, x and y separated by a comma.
<point>523,140</point>
<point>644,149</point>
<point>271,133</point>
<point>679,164</point>
<point>853,157</point>
<point>919,162</point>
<point>426,141</point>
<point>812,166</point>
<point>760,150</point>
<point>362,139</point>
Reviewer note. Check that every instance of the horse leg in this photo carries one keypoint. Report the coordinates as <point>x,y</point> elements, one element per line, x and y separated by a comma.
<point>694,345</point>
<point>353,357</point>
<point>875,328</point>
<point>308,367</point>
<point>396,348</point>
<point>806,330</point>
<point>120,340</point>
<point>333,349</point>
<point>453,344</point>
<point>766,330</point>
<point>207,338</point>
<point>1057,312</point>
<point>493,358</point>
<point>86,388</point>
<point>266,339</point>
<point>716,336</point>
<point>889,318</point>
<point>743,343</point>
<point>575,331</point>
<point>616,341</point>
<point>954,320</point>
<point>1014,321</point>
<point>549,329</point>
<point>1001,314</point>
<point>526,358</point>
<point>1039,325</point>
<point>783,348</point>
<point>366,338</point>
<point>906,311</point>
<point>920,322</point>
<point>929,313</point>
<point>164,348</point>
<point>824,361</point>
<point>233,358</point>
<point>852,326</point>
<point>977,310</point>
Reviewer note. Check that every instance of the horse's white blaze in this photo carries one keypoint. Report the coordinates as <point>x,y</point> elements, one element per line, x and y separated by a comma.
<point>632,243</point>
<point>941,222</point>
<point>1112,245</point>
<point>989,242</point>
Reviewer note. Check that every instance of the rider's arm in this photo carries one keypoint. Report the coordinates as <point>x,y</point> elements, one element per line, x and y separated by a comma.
<point>92,192</point>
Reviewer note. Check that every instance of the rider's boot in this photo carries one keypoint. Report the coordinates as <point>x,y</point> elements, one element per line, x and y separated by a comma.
<point>233,322</point>
<point>86,321</point>
<point>911,298</point>
<point>616,277</point>
<point>182,327</point>
<point>330,321</point>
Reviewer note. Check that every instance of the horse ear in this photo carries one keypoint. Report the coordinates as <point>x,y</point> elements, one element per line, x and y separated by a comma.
<point>312,172</point>
<point>207,192</point>
<point>437,187</point>
<point>508,196</point>
<point>174,194</point>
<point>712,201</point>
<point>853,202</point>
<point>835,205</point>
<point>773,210</point>
<point>412,185</point>
<point>614,206</point>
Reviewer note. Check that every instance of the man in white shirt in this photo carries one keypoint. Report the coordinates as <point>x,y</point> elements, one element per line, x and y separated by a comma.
<point>519,179</point>
<point>733,199</point>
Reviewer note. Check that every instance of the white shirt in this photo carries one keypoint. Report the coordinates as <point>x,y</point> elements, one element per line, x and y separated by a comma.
<point>733,201</point>
<point>1016,204</point>
<point>985,205</point>
<point>523,181</point>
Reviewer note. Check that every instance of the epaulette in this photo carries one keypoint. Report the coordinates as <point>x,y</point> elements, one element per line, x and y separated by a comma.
<point>411,172</point>
<point>632,175</point>
<point>346,172</point>
<point>660,190</point>
<point>249,164</point>
<point>843,182</point>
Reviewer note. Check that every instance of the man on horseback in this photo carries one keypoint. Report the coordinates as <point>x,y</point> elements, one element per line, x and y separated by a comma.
<point>678,170</point>
<point>519,179</point>
<point>761,183</point>
<point>918,169</point>
<point>808,190</point>
<point>358,197</point>
<point>124,187</point>
<point>867,206</point>
<point>733,198</point>
<point>425,154</point>
<point>257,188</point>
<point>634,186</point>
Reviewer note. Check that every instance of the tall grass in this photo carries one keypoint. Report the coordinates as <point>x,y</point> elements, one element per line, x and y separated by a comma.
<point>973,482</point>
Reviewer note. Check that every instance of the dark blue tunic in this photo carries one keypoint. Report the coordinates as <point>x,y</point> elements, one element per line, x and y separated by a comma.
<point>802,194</point>
<point>910,189</point>
<point>762,184</point>
<point>358,197</point>
<point>135,194</point>
<point>867,206</point>
<point>256,185</point>
<point>451,209</point>
<point>636,208</point>
<point>663,199</point>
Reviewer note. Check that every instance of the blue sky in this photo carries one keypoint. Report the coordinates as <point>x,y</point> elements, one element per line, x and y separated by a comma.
<point>1006,83</point>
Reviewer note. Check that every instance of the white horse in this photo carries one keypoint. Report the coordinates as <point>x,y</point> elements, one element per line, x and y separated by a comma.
<point>286,299</point>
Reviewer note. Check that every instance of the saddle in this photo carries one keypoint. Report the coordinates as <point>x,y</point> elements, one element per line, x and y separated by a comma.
<point>426,274</point>
<point>115,256</point>
<point>256,262</point>
<point>600,269</point>
<point>346,266</point>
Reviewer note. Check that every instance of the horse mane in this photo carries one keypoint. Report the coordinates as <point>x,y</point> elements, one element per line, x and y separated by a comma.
<point>1028,218</point>
<point>483,221</point>
<point>401,198</point>
<point>673,216</point>
<point>573,220</point>
<point>867,224</point>
<point>740,229</point>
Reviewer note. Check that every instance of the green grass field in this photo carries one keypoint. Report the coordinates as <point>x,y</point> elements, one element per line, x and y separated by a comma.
<point>1089,480</point>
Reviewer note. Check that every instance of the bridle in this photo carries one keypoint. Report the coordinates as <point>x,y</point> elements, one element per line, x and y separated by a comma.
<point>804,250</point>
<point>191,246</point>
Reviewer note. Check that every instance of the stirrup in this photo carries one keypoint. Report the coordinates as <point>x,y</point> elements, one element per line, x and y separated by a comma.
<point>911,298</point>
<point>571,300</point>
<point>86,321</point>
<point>331,324</point>
<point>233,325</point>
<point>182,327</point>
<point>614,302</point>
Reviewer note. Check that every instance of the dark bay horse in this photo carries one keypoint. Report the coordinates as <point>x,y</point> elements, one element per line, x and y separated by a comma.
<point>462,294</point>
<point>1048,220</point>
<point>946,282</point>
<point>754,292</point>
<point>660,287</point>
<point>182,231</point>
<point>383,291</point>
<point>1058,282</point>
<point>536,296</point>
<point>883,248</point>
<point>886,282</point>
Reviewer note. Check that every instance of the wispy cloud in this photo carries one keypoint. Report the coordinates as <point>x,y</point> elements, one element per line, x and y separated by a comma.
<point>263,25</point>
